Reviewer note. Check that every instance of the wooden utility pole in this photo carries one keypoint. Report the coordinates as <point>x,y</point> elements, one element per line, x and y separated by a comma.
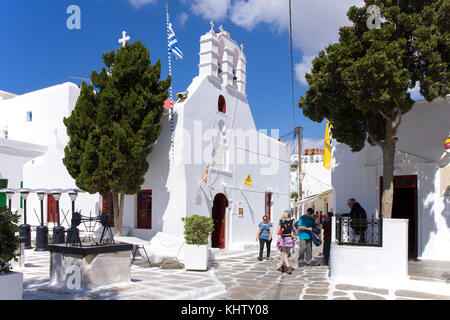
<point>299,136</point>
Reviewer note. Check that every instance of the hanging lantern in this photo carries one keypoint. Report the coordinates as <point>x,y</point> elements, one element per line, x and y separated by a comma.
<point>447,143</point>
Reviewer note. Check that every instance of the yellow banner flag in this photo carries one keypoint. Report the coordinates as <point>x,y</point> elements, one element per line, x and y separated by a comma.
<point>248,181</point>
<point>327,150</point>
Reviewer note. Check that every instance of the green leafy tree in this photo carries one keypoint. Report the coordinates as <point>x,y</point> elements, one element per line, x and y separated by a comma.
<point>294,195</point>
<point>9,240</point>
<point>114,124</point>
<point>360,84</point>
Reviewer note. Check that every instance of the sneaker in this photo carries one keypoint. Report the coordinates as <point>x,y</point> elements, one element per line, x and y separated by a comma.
<point>267,258</point>
<point>259,258</point>
<point>289,271</point>
<point>280,268</point>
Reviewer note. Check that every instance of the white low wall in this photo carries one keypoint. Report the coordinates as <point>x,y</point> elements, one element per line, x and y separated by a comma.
<point>11,286</point>
<point>375,266</point>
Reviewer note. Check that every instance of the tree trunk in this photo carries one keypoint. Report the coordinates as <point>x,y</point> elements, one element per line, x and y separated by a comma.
<point>115,198</point>
<point>121,209</point>
<point>388,148</point>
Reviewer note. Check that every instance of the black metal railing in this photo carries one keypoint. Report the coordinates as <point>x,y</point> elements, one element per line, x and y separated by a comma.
<point>359,231</point>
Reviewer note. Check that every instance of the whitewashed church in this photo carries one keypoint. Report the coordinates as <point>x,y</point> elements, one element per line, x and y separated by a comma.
<point>199,164</point>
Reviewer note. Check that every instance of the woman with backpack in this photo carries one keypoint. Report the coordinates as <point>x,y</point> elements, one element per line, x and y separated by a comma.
<point>285,241</point>
<point>264,236</point>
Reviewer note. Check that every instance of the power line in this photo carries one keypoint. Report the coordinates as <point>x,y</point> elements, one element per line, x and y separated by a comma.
<point>292,63</point>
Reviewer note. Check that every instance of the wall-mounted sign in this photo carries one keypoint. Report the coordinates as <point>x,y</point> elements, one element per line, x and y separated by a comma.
<point>241,212</point>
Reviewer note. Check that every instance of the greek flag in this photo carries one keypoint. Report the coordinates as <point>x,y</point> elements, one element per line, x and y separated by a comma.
<point>173,46</point>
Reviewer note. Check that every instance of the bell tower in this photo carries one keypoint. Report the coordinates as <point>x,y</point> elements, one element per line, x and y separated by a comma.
<point>222,58</point>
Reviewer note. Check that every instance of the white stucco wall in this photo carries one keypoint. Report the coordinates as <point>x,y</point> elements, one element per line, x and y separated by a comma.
<point>420,146</point>
<point>48,106</point>
<point>384,266</point>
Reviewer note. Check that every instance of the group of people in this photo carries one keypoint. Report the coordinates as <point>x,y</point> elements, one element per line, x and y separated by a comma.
<point>306,226</point>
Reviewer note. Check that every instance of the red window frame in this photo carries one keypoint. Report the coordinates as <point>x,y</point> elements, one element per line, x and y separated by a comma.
<point>51,209</point>
<point>144,209</point>
<point>108,207</point>
<point>222,104</point>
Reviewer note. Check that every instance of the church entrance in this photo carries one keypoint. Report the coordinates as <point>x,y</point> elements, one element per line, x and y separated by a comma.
<point>218,215</point>
<point>405,207</point>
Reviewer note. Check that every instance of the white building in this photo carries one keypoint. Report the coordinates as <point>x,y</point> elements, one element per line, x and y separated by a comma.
<point>421,179</point>
<point>315,180</point>
<point>213,128</point>
<point>32,148</point>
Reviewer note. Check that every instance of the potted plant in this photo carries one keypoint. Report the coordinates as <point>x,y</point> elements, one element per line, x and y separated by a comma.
<point>196,232</point>
<point>11,283</point>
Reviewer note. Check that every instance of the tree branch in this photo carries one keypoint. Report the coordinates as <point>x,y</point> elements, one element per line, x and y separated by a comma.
<point>378,143</point>
<point>384,116</point>
<point>399,115</point>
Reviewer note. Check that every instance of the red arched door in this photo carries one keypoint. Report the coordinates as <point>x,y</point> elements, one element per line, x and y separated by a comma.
<point>218,214</point>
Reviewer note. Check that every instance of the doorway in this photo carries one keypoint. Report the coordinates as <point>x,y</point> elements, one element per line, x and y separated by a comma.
<point>405,207</point>
<point>218,215</point>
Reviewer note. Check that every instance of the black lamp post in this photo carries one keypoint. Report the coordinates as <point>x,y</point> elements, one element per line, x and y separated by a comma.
<point>25,229</point>
<point>73,194</point>
<point>58,231</point>
<point>9,195</point>
<point>41,231</point>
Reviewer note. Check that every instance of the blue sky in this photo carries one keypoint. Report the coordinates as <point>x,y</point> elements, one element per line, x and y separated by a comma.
<point>38,50</point>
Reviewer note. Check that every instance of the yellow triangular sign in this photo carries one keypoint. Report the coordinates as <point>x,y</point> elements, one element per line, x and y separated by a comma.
<point>248,181</point>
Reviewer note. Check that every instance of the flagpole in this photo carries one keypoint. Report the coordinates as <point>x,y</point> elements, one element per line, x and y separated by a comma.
<point>170,89</point>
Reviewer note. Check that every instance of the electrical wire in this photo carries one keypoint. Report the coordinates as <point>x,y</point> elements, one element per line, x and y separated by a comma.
<point>292,63</point>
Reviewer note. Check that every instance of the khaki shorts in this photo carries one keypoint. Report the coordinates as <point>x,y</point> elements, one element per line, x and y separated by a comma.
<point>285,250</point>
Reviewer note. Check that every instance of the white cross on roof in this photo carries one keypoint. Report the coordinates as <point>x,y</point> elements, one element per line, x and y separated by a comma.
<point>124,39</point>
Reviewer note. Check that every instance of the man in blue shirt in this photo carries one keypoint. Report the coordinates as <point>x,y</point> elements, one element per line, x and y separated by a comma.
<point>305,224</point>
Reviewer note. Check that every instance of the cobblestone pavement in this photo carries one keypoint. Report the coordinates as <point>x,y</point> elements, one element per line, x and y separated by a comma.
<point>146,283</point>
<point>247,278</point>
<point>239,277</point>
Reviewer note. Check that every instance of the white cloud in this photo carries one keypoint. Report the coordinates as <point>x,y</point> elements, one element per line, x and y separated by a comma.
<point>249,14</point>
<point>315,23</point>
<point>183,18</point>
<point>303,67</point>
<point>140,3</point>
<point>211,9</point>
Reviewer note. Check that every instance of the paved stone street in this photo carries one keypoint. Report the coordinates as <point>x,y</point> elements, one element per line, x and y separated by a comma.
<point>146,283</point>
<point>247,278</point>
<point>240,277</point>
